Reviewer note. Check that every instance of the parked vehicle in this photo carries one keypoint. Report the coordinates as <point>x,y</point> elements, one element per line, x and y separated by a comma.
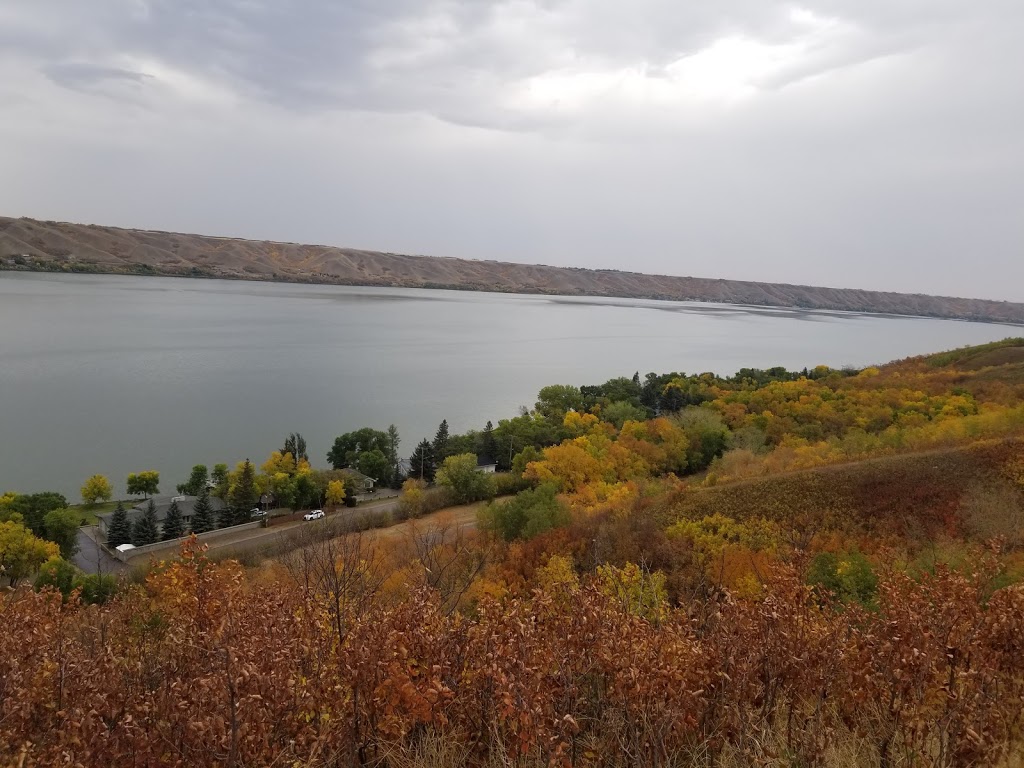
<point>316,514</point>
<point>257,512</point>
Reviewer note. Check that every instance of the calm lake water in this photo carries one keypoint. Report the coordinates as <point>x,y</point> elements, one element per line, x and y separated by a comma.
<point>108,374</point>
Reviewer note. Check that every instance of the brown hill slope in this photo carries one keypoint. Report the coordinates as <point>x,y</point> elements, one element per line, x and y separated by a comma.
<point>970,491</point>
<point>56,246</point>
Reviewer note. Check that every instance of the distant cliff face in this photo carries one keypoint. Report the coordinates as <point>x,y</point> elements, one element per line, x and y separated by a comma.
<point>39,245</point>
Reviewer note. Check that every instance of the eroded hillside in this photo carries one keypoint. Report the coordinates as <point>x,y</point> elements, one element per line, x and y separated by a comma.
<point>57,246</point>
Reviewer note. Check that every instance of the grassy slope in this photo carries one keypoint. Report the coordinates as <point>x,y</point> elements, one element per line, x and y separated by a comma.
<point>89,512</point>
<point>956,491</point>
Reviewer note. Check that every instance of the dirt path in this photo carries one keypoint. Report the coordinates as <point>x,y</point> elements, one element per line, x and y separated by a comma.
<point>464,515</point>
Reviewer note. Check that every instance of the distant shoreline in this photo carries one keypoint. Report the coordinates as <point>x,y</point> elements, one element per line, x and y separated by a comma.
<point>27,245</point>
<point>710,303</point>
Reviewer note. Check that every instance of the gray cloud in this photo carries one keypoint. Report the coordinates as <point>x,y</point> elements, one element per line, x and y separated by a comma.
<point>840,142</point>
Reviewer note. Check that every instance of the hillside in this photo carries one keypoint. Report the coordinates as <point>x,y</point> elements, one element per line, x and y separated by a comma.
<point>54,246</point>
<point>815,568</point>
<point>963,491</point>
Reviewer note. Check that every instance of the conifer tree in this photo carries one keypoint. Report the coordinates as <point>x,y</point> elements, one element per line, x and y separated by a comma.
<point>119,530</point>
<point>145,531</point>
<point>392,455</point>
<point>441,441</point>
<point>225,516</point>
<point>422,464</point>
<point>488,443</point>
<point>174,525</point>
<point>243,496</point>
<point>202,518</point>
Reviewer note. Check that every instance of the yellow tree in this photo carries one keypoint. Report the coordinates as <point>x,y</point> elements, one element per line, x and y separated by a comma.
<point>279,463</point>
<point>96,488</point>
<point>21,553</point>
<point>638,590</point>
<point>412,497</point>
<point>335,492</point>
<point>569,465</point>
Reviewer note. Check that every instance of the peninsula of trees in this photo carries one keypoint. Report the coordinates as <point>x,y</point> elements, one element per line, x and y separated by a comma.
<point>28,244</point>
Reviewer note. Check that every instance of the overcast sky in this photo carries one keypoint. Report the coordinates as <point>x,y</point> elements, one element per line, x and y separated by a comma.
<point>854,143</point>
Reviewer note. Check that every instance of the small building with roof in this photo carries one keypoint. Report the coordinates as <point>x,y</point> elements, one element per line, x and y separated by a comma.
<point>186,506</point>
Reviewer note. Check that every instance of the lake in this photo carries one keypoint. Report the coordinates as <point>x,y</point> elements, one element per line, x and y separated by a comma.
<point>113,374</point>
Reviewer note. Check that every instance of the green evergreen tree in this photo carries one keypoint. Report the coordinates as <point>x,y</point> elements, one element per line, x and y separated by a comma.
<point>488,443</point>
<point>174,525</point>
<point>145,531</point>
<point>225,516</point>
<point>395,479</point>
<point>119,529</point>
<point>422,463</point>
<point>440,445</point>
<point>202,518</point>
<point>243,496</point>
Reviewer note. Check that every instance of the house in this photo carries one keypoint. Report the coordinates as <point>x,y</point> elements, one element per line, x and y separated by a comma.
<point>362,483</point>
<point>486,464</point>
<point>186,506</point>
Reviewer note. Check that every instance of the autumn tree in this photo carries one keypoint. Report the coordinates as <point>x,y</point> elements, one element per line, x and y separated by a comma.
<point>411,501</point>
<point>637,589</point>
<point>97,488</point>
<point>202,515</point>
<point>144,484</point>
<point>119,528</point>
<point>279,463</point>
<point>31,508</point>
<point>62,529</point>
<point>460,475</point>
<point>336,492</point>
<point>174,524</point>
<point>146,530</point>
<point>22,553</point>
<point>197,480</point>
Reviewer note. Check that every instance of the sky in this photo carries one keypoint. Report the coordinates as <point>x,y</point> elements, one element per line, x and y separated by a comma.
<point>849,143</point>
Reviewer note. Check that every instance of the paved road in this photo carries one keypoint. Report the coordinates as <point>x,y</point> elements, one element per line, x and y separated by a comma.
<point>91,558</point>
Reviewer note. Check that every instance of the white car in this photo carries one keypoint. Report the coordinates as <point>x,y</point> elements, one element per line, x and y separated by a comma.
<point>315,514</point>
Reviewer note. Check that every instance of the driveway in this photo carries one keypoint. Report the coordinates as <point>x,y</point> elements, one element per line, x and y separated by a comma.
<point>91,557</point>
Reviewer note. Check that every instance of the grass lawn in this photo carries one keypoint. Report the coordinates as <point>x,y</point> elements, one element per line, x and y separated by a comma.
<point>89,513</point>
